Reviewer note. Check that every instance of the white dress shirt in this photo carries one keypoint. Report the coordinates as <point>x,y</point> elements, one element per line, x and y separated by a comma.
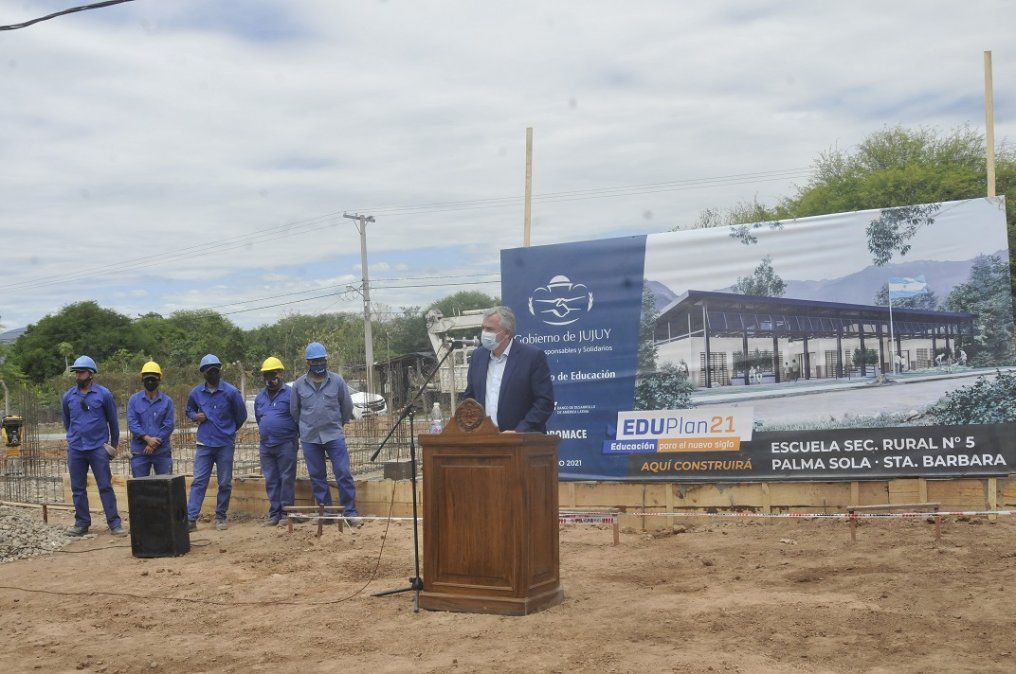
<point>495,372</point>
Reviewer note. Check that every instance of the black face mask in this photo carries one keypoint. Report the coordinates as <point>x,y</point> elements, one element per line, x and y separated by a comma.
<point>213,375</point>
<point>151,384</point>
<point>83,383</point>
<point>273,382</point>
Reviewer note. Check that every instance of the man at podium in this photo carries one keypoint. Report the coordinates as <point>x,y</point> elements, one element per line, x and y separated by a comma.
<point>510,379</point>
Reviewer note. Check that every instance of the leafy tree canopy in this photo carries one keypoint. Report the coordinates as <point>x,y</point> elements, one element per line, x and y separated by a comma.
<point>893,167</point>
<point>763,281</point>
<point>89,328</point>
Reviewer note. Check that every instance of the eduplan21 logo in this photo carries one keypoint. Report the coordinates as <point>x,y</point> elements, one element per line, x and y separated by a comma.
<point>560,302</point>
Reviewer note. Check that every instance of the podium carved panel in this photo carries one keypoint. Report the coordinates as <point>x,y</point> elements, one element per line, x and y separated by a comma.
<point>491,525</point>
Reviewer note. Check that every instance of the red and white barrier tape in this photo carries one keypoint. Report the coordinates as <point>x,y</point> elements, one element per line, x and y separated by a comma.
<point>836,516</point>
<point>587,518</point>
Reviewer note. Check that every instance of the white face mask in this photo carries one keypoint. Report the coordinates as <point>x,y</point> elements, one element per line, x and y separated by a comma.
<point>488,339</point>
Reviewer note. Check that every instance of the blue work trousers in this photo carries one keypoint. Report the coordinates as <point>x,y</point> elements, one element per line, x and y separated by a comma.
<point>314,453</point>
<point>78,464</point>
<point>204,457</point>
<point>278,465</point>
<point>142,464</point>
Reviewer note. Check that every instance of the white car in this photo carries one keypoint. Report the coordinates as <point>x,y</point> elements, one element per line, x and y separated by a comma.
<point>367,405</point>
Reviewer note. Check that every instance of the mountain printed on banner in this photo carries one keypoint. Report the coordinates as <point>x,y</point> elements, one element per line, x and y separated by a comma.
<point>859,287</point>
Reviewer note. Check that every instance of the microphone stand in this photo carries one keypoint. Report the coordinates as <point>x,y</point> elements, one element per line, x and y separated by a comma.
<point>416,582</point>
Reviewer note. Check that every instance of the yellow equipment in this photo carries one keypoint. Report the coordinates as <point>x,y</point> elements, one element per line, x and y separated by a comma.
<point>151,367</point>
<point>10,431</point>
<point>271,364</point>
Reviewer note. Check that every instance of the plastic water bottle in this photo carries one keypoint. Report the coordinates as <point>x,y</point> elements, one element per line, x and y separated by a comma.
<point>436,418</point>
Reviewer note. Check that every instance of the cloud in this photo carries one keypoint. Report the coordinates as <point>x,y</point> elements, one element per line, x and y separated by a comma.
<point>188,145</point>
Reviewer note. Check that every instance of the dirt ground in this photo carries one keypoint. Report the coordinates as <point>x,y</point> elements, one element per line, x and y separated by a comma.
<point>740,596</point>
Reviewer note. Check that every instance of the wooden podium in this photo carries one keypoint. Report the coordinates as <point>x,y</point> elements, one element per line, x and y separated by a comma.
<point>490,542</point>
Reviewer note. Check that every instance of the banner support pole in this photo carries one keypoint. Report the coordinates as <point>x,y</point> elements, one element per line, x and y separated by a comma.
<point>989,126</point>
<point>892,338</point>
<point>528,219</point>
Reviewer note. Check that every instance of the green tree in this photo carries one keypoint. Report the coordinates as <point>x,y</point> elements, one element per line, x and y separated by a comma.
<point>899,167</point>
<point>764,281</point>
<point>657,388</point>
<point>464,300</point>
<point>893,167</point>
<point>186,336</point>
<point>93,330</point>
<point>987,294</point>
<point>408,331</point>
<point>65,349</point>
<point>926,300</point>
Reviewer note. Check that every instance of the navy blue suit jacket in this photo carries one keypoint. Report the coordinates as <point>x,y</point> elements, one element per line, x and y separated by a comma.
<point>526,399</point>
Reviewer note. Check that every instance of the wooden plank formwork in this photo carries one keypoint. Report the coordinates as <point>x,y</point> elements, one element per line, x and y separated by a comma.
<point>375,497</point>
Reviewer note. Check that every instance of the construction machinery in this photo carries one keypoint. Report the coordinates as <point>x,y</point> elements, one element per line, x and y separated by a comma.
<point>11,428</point>
<point>452,378</point>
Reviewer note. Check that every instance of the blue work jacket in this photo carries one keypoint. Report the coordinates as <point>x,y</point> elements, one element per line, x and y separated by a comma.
<point>225,412</point>
<point>90,418</point>
<point>275,421</point>
<point>150,417</point>
<point>321,411</point>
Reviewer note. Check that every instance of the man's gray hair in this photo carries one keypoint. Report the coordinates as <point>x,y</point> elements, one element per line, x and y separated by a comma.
<point>506,315</point>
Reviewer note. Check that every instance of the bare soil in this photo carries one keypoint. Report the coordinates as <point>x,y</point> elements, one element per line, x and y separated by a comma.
<point>741,596</point>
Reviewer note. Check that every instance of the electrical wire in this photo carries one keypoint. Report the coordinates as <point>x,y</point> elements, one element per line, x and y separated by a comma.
<point>346,285</point>
<point>323,221</point>
<point>373,287</point>
<point>72,10</point>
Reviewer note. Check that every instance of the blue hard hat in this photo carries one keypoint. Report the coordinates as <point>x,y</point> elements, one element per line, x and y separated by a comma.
<point>84,363</point>
<point>316,350</point>
<point>208,361</point>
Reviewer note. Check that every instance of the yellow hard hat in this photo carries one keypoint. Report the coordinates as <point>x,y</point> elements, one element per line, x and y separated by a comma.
<point>271,364</point>
<point>151,367</point>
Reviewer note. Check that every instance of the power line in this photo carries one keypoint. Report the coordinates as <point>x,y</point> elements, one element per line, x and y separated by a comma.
<point>327,295</point>
<point>347,285</point>
<point>72,10</point>
<point>323,221</point>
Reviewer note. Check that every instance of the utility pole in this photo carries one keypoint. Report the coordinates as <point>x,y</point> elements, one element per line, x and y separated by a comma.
<point>368,338</point>
<point>989,125</point>
<point>527,225</point>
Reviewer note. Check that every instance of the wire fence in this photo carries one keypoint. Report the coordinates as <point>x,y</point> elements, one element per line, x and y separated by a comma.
<point>36,473</point>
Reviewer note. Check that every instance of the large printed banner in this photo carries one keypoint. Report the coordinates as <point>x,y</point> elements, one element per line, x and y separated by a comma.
<point>859,345</point>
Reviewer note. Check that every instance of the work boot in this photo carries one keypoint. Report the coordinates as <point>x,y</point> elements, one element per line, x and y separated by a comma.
<point>272,522</point>
<point>77,530</point>
<point>221,525</point>
<point>192,525</point>
<point>118,530</point>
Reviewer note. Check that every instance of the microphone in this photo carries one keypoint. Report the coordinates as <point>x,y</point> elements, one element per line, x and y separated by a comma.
<point>459,343</point>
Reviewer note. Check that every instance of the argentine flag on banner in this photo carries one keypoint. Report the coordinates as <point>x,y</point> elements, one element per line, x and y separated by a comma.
<point>901,287</point>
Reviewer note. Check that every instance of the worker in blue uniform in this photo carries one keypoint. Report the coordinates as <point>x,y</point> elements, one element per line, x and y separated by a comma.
<point>279,438</point>
<point>89,417</point>
<point>219,411</point>
<point>151,418</point>
<point>321,406</point>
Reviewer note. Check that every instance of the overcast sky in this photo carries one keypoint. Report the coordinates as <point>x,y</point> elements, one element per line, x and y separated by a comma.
<point>162,155</point>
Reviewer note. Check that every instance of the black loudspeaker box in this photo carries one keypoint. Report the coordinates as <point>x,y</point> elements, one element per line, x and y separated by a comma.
<point>158,510</point>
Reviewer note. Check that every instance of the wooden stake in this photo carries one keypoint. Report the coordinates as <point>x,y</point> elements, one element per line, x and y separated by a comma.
<point>989,126</point>
<point>527,225</point>
<point>992,497</point>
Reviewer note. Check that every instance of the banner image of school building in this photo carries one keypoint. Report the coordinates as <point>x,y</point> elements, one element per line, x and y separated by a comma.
<point>724,339</point>
<point>872,339</point>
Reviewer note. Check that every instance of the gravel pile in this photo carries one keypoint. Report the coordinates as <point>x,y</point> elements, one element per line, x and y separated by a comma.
<point>22,535</point>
